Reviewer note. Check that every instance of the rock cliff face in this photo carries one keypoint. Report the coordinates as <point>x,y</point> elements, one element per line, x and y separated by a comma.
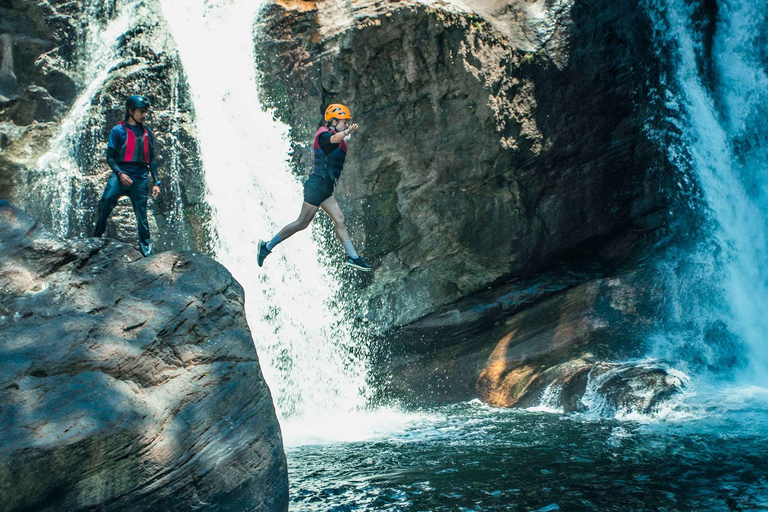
<point>128,383</point>
<point>504,173</point>
<point>495,137</point>
<point>504,179</point>
<point>508,344</point>
<point>67,68</point>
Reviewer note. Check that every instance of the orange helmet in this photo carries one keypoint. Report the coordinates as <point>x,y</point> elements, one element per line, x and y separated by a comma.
<point>337,111</point>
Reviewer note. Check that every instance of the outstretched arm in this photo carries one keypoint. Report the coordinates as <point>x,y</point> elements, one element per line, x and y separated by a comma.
<point>338,137</point>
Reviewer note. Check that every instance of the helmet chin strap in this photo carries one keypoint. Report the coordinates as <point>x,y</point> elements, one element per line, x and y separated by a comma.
<point>130,114</point>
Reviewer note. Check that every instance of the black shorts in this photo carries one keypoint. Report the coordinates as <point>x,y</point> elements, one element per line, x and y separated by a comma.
<point>317,189</point>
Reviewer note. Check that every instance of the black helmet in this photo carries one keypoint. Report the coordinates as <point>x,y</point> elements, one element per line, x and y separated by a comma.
<point>136,101</point>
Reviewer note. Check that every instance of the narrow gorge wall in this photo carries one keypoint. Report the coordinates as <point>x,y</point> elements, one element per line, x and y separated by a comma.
<point>506,180</point>
<point>493,141</point>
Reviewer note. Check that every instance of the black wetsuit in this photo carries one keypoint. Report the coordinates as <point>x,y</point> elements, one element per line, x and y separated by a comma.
<point>138,171</point>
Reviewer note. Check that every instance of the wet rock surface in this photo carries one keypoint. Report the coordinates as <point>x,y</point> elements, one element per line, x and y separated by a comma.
<point>496,137</point>
<point>539,329</point>
<point>627,389</point>
<point>128,383</point>
<point>604,389</point>
<point>67,69</point>
<point>503,180</point>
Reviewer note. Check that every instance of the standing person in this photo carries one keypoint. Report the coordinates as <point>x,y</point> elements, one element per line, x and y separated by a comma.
<point>131,155</point>
<point>330,151</point>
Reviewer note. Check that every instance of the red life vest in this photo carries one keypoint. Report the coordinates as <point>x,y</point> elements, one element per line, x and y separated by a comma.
<point>131,151</point>
<point>331,164</point>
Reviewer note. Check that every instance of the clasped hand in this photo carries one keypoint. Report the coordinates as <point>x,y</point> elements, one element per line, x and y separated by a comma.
<point>127,182</point>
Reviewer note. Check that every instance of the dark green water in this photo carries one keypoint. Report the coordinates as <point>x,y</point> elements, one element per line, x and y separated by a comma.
<point>472,457</point>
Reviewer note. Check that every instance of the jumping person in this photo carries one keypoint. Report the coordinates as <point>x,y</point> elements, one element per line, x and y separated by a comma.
<point>330,152</point>
<point>131,156</point>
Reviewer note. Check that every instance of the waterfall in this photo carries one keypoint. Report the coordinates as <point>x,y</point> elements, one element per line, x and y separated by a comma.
<point>172,172</point>
<point>718,97</point>
<point>8,84</point>
<point>313,366</point>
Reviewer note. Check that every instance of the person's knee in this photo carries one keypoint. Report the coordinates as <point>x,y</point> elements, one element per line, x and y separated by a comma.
<point>303,222</point>
<point>110,193</point>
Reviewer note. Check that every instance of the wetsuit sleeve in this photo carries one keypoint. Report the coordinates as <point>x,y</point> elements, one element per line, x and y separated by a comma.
<point>152,160</point>
<point>112,160</point>
<point>153,170</point>
<point>116,141</point>
<point>324,141</point>
<point>116,138</point>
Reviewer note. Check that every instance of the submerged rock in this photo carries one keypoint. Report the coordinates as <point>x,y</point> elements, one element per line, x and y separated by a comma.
<point>604,389</point>
<point>128,383</point>
<point>627,389</point>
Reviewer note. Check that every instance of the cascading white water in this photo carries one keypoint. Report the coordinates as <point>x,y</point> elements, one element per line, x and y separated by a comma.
<point>6,61</point>
<point>309,358</point>
<point>313,366</point>
<point>724,145</point>
<point>172,170</point>
<point>58,173</point>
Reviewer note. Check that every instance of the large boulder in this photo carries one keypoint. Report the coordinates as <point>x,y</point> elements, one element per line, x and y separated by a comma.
<point>602,389</point>
<point>128,383</point>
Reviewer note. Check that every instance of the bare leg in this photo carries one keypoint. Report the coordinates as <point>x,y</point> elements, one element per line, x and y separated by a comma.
<point>308,212</point>
<point>332,208</point>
